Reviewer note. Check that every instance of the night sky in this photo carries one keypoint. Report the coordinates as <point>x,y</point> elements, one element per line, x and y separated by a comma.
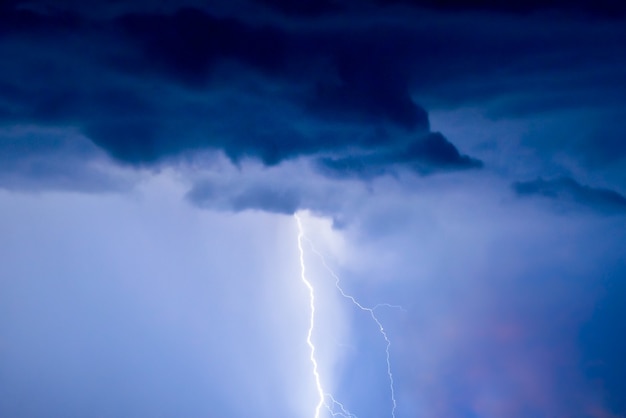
<point>458,169</point>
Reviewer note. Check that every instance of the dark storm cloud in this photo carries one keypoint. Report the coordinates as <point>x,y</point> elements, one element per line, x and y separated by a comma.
<point>595,136</point>
<point>309,8</point>
<point>296,185</point>
<point>315,8</point>
<point>427,154</point>
<point>338,74</point>
<point>601,8</point>
<point>157,85</point>
<point>146,83</point>
<point>570,191</point>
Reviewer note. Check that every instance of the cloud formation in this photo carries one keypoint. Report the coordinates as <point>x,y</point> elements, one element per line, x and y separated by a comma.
<point>190,80</point>
<point>346,109</point>
<point>427,154</point>
<point>569,191</point>
<point>35,159</point>
<point>148,83</point>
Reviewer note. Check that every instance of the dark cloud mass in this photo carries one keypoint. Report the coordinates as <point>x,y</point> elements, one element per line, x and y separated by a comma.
<point>569,191</point>
<point>427,154</point>
<point>190,80</point>
<point>603,8</point>
<point>146,84</point>
<point>313,8</point>
<point>306,7</point>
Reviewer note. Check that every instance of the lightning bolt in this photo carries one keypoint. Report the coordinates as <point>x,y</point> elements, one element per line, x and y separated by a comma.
<point>370,311</point>
<point>309,340</point>
<point>333,405</point>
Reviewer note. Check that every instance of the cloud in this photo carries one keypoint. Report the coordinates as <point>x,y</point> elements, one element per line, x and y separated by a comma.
<point>336,73</point>
<point>35,159</point>
<point>159,281</point>
<point>283,189</point>
<point>164,82</point>
<point>427,154</point>
<point>309,8</point>
<point>602,8</point>
<point>300,92</point>
<point>320,8</point>
<point>269,106</point>
<point>159,85</point>
<point>264,197</point>
<point>569,191</point>
<point>494,295</point>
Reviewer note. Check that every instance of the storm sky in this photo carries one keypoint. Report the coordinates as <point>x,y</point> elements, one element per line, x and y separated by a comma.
<point>463,160</point>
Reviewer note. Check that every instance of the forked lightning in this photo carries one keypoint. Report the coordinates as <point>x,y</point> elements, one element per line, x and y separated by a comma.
<point>336,408</point>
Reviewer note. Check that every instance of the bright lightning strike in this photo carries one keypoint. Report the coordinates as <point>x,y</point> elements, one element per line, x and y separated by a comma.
<point>335,407</point>
<point>381,329</point>
<point>309,341</point>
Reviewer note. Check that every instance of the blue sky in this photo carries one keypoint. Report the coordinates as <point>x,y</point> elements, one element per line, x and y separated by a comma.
<point>463,162</point>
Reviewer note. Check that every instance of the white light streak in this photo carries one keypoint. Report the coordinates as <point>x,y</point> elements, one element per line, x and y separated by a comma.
<point>309,340</point>
<point>335,407</point>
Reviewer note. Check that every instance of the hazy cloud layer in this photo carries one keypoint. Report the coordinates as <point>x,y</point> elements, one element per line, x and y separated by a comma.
<point>36,159</point>
<point>495,295</point>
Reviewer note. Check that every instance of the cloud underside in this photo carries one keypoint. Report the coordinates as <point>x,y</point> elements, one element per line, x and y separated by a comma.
<point>148,87</point>
<point>161,84</point>
<point>432,152</point>
<point>569,192</point>
<point>152,86</point>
